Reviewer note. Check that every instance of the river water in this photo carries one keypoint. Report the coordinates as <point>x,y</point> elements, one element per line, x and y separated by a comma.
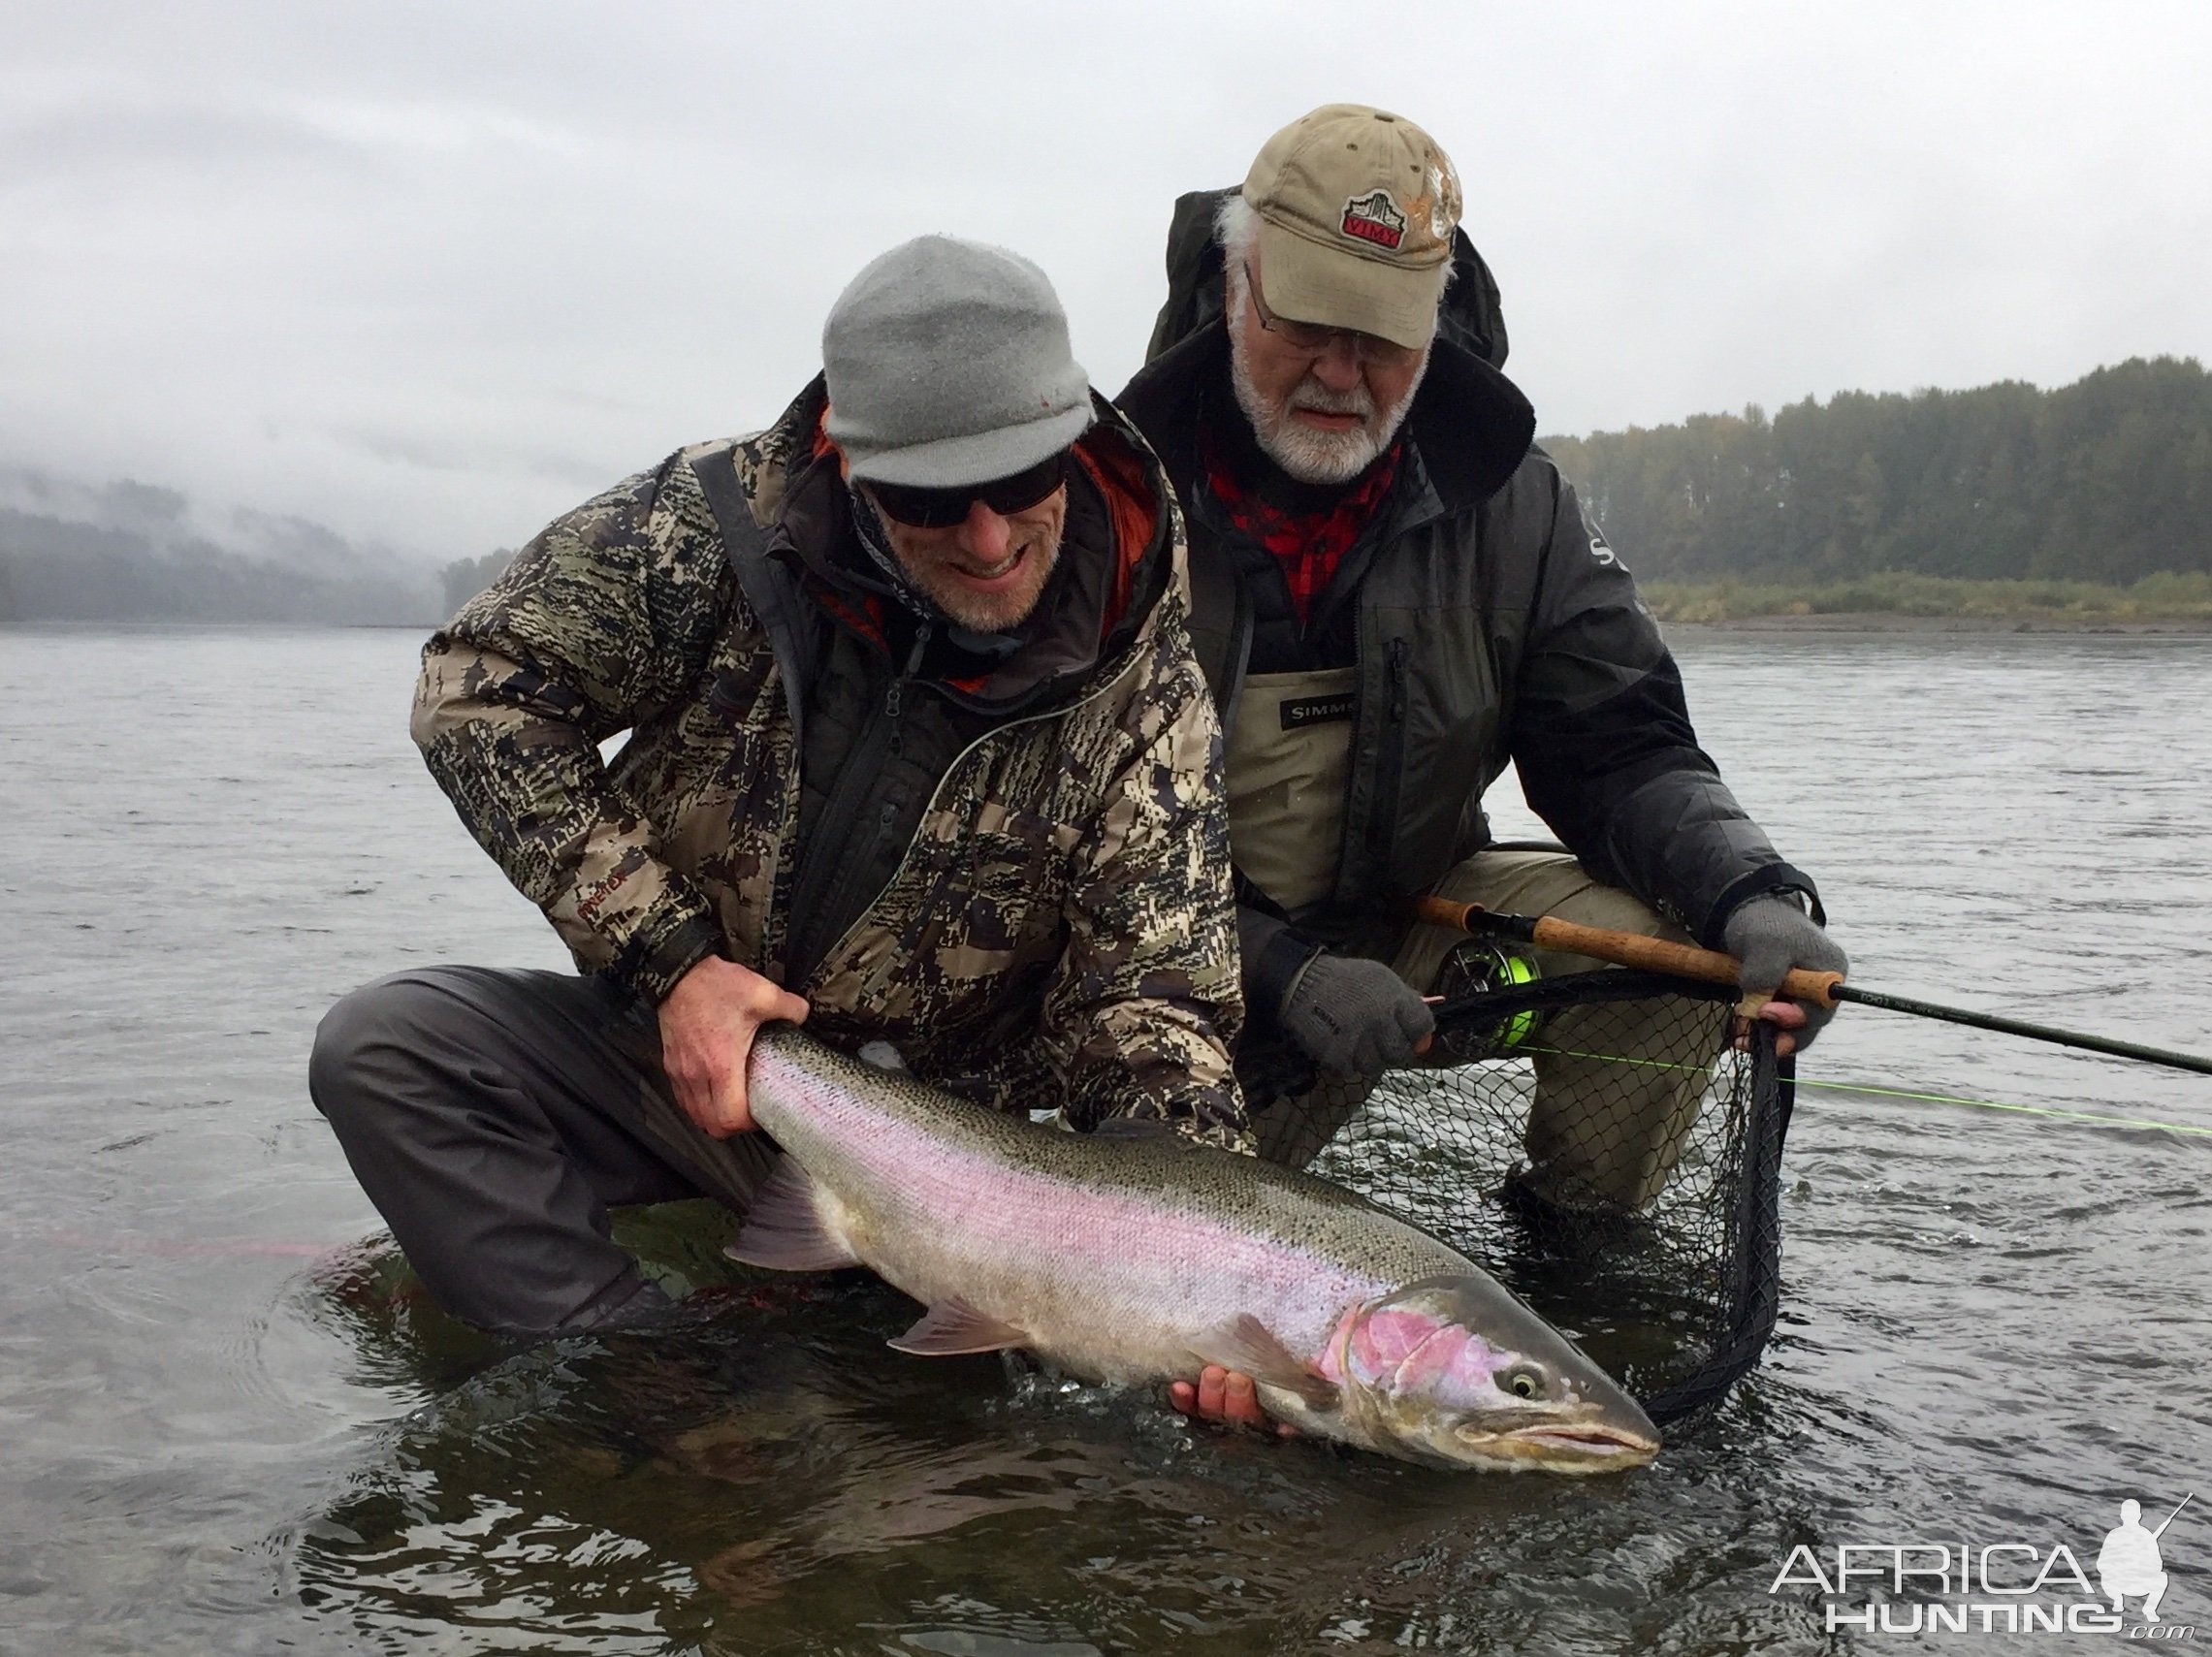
<point>231,1427</point>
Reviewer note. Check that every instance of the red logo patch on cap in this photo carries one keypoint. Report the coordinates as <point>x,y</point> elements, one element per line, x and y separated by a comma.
<point>1374,217</point>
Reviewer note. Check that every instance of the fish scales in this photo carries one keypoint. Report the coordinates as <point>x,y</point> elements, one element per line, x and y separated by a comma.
<point>939,1193</point>
<point>1131,1258</point>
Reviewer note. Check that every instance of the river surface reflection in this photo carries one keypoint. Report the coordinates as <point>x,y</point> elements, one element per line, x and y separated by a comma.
<point>232,1426</point>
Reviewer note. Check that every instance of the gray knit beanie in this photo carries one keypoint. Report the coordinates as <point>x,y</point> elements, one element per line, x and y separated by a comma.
<point>949,363</point>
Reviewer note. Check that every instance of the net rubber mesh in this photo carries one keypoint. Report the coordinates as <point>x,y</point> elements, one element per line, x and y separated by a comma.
<point>1595,1143</point>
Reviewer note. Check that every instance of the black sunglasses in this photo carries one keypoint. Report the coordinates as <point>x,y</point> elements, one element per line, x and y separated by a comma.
<point>942,508</point>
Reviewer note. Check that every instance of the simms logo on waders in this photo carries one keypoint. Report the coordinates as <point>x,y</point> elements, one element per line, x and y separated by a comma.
<point>1300,712</point>
<point>2004,1587</point>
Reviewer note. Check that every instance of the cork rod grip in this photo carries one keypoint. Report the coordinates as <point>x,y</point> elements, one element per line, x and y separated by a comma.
<point>1623,949</point>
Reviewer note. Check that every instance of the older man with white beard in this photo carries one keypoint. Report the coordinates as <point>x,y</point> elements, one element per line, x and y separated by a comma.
<point>1394,596</point>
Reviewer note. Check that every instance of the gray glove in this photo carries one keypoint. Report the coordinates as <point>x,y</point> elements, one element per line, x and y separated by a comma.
<point>1770,935</point>
<point>1352,1016</point>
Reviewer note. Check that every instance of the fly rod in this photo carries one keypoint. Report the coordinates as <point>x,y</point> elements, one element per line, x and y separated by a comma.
<point>1710,965</point>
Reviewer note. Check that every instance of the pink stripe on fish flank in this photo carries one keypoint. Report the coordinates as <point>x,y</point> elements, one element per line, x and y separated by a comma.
<point>992,1212</point>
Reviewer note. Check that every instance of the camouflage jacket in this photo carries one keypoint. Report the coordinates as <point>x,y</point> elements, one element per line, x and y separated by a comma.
<point>1060,930</point>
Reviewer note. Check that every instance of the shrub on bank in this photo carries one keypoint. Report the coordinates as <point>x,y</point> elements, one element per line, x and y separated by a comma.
<point>2168,596</point>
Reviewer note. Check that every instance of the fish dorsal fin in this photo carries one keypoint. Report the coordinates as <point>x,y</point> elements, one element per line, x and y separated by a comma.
<point>1246,1344</point>
<point>784,1228</point>
<point>952,1326</point>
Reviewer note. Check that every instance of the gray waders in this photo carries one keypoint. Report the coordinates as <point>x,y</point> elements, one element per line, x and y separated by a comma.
<point>1618,1085</point>
<point>1289,760</point>
<point>495,1116</point>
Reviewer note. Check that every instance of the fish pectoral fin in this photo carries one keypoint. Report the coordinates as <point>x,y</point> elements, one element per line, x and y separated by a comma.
<point>784,1228</point>
<point>883,1055</point>
<point>953,1327</point>
<point>1248,1345</point>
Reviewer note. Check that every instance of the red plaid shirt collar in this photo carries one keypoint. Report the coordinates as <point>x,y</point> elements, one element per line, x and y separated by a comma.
<point>1307,546</point>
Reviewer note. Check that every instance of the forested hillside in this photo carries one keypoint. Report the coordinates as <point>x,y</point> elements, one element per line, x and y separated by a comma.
<point>2106,480</point>
<point>465,578</point>
<point>128,552</point>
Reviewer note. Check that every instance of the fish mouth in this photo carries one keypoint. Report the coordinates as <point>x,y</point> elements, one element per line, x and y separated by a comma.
<point>1555,1446</point>
<point>1593,1441</point>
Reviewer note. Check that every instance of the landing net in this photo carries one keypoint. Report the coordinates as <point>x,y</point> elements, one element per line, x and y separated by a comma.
<point>1596,1144</point>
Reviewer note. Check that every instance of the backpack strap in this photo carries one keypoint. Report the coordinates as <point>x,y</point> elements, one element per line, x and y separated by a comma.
<point>767,583</point>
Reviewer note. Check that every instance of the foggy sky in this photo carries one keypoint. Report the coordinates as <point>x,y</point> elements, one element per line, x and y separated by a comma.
<point>430,274</point>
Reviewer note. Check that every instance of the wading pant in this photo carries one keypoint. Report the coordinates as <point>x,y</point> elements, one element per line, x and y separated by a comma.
<point>495,1116</point>
<point>1601,1133</point>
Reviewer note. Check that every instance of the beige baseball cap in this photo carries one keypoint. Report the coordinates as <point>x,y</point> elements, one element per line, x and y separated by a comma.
<point>1356,207</point>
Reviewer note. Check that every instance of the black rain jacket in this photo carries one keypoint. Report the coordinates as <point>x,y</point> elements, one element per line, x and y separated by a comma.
<point>1489,622</point>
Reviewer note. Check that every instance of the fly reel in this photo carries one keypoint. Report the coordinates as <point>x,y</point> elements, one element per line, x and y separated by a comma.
<point>1478,968</point>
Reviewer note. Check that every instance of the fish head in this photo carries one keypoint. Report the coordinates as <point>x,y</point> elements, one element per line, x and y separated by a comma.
<point>1456,1371</point>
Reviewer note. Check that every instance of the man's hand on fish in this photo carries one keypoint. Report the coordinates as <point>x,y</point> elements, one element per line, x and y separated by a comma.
<point>707,1026</point>
<point>1224,1395</point>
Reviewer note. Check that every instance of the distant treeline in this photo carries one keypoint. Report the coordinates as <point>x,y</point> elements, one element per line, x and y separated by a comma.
<point>2107,480</point>
<point>2165,598</point>
<point>465,578</point>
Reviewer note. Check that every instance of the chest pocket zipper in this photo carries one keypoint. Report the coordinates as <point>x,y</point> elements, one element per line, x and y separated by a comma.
<point>1389,763</point>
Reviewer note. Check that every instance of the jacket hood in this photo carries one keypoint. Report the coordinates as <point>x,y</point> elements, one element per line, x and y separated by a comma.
<point>1472,424</point>
<point>1116,561</point>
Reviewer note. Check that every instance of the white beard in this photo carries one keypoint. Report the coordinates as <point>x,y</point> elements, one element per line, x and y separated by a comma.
<point>1306,452</point>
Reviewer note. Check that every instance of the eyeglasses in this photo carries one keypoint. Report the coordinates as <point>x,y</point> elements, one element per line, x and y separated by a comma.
<point>1316,337</point>
<point>942,508</point>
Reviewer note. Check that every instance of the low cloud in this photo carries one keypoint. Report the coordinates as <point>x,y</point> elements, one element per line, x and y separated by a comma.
<point>431,276</point>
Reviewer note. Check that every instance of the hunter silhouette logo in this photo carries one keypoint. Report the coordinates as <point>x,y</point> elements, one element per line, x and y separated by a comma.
<point>2128,1562</point>
<point>1374,217</point>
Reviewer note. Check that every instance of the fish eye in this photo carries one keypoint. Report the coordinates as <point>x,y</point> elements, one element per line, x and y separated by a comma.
<point>1525,1383</point>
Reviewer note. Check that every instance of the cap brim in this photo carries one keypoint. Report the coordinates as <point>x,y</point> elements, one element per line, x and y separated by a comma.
<point>1304,282</point>
<point>982,456</point>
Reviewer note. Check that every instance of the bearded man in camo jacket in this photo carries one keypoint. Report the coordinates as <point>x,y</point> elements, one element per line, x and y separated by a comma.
<point>918,753</point>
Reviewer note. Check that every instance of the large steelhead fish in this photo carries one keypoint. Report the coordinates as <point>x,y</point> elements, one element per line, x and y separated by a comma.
<point>1137,1257</point>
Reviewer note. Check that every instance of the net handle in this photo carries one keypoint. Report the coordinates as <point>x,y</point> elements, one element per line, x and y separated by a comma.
<point>1622,948</point>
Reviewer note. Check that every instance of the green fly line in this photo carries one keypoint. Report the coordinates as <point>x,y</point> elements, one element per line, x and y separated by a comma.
<point>1908,1094</point>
